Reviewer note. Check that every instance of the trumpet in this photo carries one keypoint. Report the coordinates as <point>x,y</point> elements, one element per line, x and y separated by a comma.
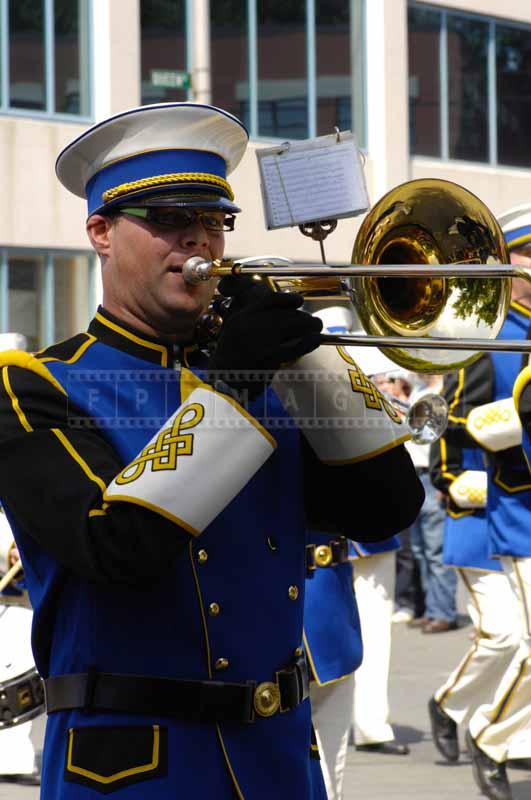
<point>429,266</point>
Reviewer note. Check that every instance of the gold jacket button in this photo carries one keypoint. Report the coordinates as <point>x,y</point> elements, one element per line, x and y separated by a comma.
<point>298,652</point>
<point>222,663</point>
<point>214,609</point>
<point>202,556</point>
<point>323,555</point>
<point>293,592</point>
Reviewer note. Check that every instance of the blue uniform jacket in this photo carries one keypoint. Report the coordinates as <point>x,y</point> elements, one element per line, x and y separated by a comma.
<point>332,631</point>
<point>509,492</point>
<point>120,629</point>
<point>473,538</point>
<point>466,541</point>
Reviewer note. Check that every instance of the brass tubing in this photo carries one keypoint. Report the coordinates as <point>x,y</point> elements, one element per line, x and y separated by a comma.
<point>217,269</point>
<point>421,343</point>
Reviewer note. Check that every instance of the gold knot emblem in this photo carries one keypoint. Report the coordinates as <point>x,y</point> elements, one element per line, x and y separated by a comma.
<point>164,451</point>
<point>493,417</point>
<point>474,495</point>
<point>372,397</point>
<point>267,699</point>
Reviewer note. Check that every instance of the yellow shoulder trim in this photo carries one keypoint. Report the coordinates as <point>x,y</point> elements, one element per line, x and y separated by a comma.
<point>77,355</point>
<point>189,382</point>
<point>519,385</point>
<point>520,308</point>
<point>17,358</point>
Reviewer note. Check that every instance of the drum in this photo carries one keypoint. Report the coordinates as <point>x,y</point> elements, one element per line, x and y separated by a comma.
<point>21,688</point>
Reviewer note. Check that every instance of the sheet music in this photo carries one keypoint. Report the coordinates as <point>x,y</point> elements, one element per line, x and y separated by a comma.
<point>312,180</point>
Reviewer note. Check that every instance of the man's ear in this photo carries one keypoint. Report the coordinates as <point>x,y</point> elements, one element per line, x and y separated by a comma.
<point>99,231</point>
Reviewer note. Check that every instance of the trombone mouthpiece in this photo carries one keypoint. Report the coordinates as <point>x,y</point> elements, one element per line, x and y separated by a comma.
<point>197,269</point>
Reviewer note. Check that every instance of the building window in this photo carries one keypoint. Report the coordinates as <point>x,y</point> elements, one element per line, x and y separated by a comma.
<point>513,85</point>
<point>333,56</point>
<point>45,45</point>
<point>287,69</point>
<point>49,295</point>
<point>163,51</point>
<point>469,87</point>
<point>228,57</point>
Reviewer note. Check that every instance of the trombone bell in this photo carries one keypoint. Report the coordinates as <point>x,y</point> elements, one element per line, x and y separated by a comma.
<point>431,222</point>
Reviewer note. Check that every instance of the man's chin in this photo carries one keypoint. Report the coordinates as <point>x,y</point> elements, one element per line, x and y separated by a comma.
<point>180,321</point>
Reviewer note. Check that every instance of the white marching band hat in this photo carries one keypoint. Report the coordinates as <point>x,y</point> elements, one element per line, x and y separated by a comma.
<point>177,154</point>
<point>516,226</point>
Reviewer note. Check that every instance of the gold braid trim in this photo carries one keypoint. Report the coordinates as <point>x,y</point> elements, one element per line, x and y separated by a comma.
<point>162,180</point>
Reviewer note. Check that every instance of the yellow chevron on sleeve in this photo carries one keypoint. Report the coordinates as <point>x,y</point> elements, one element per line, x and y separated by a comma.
<point>17,358</point>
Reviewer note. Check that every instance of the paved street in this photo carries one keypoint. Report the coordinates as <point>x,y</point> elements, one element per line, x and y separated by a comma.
<point>419,664</point>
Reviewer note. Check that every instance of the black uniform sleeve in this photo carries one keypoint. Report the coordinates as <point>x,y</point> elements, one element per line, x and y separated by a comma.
<point>463,391</point>
<point>52,478</point>
<point>367,501</point>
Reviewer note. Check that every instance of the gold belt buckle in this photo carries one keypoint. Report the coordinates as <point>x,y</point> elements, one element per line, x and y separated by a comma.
<point>323,555</point>
<point>266,699</point>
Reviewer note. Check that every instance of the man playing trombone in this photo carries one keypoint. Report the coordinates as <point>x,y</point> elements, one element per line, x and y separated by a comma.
<point>160,497</point>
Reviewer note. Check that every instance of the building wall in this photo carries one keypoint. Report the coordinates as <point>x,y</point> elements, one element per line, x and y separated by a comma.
<point>35,211</point>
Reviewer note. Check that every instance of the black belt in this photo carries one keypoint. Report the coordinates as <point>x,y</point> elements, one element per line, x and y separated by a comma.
<point>326,555</point>
<point>197,701</point>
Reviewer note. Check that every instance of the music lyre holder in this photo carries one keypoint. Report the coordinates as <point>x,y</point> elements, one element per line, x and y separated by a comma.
<point>321,228</point>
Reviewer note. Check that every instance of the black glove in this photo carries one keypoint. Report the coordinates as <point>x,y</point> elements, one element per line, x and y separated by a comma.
<point>262,330</point>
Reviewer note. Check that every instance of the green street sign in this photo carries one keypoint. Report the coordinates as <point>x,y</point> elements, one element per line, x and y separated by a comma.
<point>171,78</point>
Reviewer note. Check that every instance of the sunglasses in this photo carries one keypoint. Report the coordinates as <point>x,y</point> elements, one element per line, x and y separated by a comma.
<point>181,218</point>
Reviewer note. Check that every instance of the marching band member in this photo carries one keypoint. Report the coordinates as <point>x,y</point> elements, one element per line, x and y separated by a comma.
<point>459,473</point>
<point>499,730</point>
<point>165,557</point>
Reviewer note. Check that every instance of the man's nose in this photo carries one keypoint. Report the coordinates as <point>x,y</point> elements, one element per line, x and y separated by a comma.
<point>194,235</point>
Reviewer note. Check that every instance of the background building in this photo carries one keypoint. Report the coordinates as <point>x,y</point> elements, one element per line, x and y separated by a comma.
<point>432,89</point>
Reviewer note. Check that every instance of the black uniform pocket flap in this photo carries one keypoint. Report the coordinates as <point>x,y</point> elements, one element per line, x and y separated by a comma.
<point>108,758</point>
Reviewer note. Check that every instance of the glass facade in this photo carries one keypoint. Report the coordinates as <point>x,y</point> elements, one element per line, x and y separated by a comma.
<point>163,50</point>
<point>513,84</point>
<point>282,88</point>
<point>71,78</point>
<point>46,47</point>
<point>333,60</point>
<point>229,57</point>
<point>27,54</point>
<point>290,69</point>
<point>467,47</point>
<point>424,84</point>
<point>469,87</point>
<point>49,295</point>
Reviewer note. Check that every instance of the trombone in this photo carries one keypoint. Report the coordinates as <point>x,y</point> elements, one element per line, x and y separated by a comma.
<point>430,267</point>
